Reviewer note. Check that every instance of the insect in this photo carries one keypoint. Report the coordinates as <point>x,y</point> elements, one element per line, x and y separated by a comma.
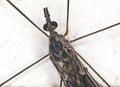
<point>72,41</point>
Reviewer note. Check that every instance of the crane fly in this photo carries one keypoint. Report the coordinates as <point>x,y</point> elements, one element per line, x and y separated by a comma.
<point>63,56</point>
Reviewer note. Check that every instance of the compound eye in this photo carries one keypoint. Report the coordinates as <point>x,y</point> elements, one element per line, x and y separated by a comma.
<point>45,27</point>
<point>53,26</point>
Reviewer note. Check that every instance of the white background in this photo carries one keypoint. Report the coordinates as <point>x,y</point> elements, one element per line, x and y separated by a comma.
<point>21,43</point>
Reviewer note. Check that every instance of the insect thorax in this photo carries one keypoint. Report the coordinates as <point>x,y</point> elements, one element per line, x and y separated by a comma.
<point>60,48</point>
<point>64,58</point>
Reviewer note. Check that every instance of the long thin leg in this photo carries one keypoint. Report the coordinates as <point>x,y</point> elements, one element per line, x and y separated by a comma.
<point>93,69</point>
<point>23,70</point>
<point>67,19</point>
<point>27,17</point>
<point>82,37</point>
<point>61,82</point>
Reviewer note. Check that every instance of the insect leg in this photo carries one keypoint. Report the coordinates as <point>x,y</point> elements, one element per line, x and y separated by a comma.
<point>27,17</point>
<point>23,70</point>
<point>67,18</point>
<point>93,70</point>
<point>61,82</point>
<point>106,28</point>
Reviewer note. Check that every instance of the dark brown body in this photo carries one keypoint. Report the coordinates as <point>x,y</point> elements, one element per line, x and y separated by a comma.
<point>69,67</point>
